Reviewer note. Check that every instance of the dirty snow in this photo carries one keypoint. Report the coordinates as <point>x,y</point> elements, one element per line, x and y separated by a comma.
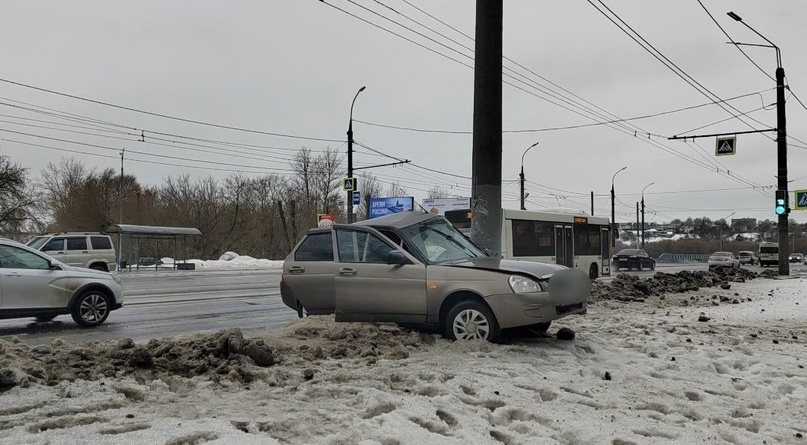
<point>636,373</point>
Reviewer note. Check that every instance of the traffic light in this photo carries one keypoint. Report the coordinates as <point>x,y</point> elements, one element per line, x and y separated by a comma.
<point>781,202</point>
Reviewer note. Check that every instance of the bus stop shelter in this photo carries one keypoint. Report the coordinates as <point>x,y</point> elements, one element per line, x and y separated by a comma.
<point>132,236</point>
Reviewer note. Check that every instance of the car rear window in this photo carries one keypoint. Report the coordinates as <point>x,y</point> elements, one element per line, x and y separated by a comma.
<point>100,243</point>
<point>315,247</point>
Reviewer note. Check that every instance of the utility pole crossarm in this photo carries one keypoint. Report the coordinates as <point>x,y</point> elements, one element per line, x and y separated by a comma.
<point>406,161</point>
<point>733,133</point>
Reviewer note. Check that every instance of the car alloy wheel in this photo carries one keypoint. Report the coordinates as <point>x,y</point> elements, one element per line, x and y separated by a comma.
<point>471,320</point>
<point>91,308</point>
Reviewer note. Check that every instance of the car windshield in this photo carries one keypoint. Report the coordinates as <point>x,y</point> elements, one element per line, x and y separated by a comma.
<point>628,252</point>
<point>37,242</point>
<point>439,242</point>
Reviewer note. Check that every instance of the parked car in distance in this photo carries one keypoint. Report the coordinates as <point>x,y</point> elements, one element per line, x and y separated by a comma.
<point>90,250</point>
<point>34,285</point>
<point>633,259</point>
<point>796,258</point>
<point>746,257</point>
<point>148,261</point>
<point>723,259</point>
<point>418,268</point>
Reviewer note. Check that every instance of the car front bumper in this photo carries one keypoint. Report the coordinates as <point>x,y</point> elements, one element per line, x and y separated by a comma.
<point>513,310</point>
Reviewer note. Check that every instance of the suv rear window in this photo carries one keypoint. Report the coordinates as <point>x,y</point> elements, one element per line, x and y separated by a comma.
<point>100,243</point>
<point>315,247</point>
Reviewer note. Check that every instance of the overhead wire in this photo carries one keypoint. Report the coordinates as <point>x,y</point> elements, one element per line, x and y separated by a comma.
<point>654,143</point>
<point>166,116</point>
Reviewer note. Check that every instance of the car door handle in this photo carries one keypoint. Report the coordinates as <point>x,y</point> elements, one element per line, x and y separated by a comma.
<point>346,271</point>
<point>13,274</point>
<point>296,269</point>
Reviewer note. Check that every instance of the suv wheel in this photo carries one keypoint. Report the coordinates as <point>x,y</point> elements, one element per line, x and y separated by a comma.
<point>592,272</point>
<point>471,320</point>
<point>91,308</point>
<point>99,266</point>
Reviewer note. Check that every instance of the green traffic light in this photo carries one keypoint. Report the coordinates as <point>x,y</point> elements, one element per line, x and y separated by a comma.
<point>780,210</point>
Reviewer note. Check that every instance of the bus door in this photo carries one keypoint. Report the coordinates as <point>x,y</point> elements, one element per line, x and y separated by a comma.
<point>564,245</point>
<point>605,249</point>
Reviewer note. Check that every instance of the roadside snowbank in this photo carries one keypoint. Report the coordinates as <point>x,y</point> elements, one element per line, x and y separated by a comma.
<point>637,373</point>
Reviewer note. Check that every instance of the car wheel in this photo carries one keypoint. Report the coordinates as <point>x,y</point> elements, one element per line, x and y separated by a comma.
<point>45,318</point>
<point>471,320</point>
<point>91,308</point>
<point>100,267</point>
<point>301,311</point>
<point>592,272</point>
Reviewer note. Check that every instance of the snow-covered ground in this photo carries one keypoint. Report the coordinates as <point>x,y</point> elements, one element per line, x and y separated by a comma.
<point>636,373</point>
<point>227,261</point>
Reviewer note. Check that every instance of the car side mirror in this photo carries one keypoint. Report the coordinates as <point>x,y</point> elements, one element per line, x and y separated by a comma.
<point>397,257</point>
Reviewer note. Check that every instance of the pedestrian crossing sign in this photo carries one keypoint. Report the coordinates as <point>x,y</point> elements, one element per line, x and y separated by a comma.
<point>349,184</point>
<point>726,146</point>
<point>801,200</point>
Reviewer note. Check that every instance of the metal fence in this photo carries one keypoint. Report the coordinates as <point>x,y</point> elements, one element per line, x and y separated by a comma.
<point>683,258</point>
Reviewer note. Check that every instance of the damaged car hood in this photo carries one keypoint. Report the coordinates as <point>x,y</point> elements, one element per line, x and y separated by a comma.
<point>533,268</point>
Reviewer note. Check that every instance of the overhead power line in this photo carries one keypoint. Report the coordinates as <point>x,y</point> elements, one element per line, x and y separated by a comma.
<point>166,116</point>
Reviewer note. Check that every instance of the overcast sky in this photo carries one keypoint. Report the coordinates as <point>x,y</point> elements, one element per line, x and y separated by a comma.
<point>293,66</point>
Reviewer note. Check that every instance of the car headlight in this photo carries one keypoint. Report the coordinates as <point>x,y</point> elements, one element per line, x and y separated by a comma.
<point>522,285</point>
<point>116,278</point>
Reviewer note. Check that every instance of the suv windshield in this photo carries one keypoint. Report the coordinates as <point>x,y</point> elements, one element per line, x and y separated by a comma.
<point>37,242</point>
<point>439,242</point>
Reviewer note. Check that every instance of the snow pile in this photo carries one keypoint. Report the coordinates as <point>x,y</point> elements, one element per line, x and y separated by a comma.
<point>228,260</point>
<point>636,373</point>
<point>627,287</point>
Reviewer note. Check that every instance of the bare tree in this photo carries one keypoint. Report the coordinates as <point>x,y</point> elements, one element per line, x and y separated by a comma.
<point>438,192</point>
<point>17,200</point>
<point>370,188</point>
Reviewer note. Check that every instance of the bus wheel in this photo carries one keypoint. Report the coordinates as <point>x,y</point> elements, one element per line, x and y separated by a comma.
<point>592,272</point>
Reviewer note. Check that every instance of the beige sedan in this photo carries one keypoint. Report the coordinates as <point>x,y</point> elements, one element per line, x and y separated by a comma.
<point>417,268</point>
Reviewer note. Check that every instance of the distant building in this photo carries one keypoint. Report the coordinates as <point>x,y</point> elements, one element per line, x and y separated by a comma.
<point>744,224</point>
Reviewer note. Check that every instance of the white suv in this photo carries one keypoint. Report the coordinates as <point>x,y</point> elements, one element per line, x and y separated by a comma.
<point>35,285</point>
<point>90,250</point>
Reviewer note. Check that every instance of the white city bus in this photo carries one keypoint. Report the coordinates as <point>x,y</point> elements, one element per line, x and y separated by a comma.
<point>578,241</point>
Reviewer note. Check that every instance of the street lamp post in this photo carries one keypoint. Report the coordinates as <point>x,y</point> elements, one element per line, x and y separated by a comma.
<point>350,158</point>
<point>645,188</point>
<point>781,139</point>
<point>613,210</point>
<point>521,176</point>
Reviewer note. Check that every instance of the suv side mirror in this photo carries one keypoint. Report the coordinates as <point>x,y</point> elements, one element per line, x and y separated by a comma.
<point>397,257</point>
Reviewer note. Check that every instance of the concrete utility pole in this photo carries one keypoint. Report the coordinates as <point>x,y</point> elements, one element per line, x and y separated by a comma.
<point>781,147</point>
<point>486,194</point>
<point>350,158</point>
<point>120,215</point>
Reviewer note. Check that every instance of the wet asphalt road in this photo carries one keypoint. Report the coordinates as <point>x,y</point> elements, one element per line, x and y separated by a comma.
<point>168,303</point>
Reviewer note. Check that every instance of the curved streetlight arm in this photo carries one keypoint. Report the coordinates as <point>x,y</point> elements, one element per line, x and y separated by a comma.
<point>614,177</point>
<point>354,103</point>
<point>778,53</point>
<point>525,154</point>
<point>645,188</point>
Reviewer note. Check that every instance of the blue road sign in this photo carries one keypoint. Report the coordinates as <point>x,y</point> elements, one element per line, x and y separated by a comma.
<point>801,200</point>
<point>356,197</point>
